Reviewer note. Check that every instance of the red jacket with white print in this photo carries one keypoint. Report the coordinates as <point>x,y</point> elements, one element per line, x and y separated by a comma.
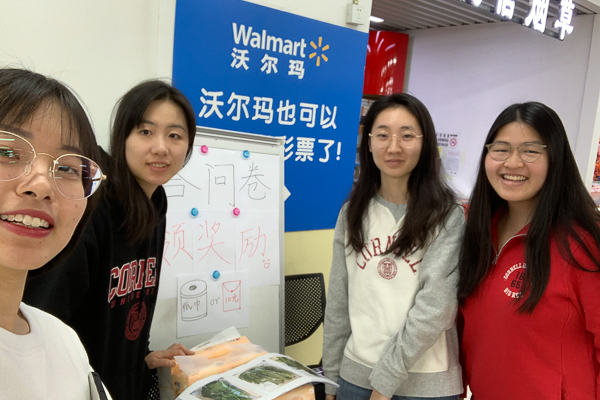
<point>552,353</point>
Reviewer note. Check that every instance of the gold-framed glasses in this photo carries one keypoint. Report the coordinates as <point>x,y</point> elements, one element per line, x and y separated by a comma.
<point>528,152</point>
<point>382,139</point>
<point>76,177</point>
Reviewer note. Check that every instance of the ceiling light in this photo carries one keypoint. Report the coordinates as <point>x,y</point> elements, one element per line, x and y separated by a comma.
<point>375,19</point>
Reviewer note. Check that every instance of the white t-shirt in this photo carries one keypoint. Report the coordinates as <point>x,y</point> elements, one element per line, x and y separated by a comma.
<point>48,363</point>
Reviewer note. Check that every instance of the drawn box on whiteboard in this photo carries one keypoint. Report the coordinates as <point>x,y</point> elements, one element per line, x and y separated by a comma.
<point>232,292</point>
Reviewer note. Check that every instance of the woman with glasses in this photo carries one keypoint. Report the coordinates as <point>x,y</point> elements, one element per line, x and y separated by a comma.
<point>529,266</point>
<point>46,176</point>
<point>389,327</point>
<point>107,289</point>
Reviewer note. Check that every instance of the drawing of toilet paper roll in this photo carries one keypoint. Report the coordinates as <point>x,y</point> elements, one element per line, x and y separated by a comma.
<point>193,300</point>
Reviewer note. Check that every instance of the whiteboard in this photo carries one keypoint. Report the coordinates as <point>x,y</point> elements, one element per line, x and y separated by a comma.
<point>190,189</point>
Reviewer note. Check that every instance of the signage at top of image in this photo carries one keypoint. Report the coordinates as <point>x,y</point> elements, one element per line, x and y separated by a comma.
<point>251,68</point>
<point>537,16</point>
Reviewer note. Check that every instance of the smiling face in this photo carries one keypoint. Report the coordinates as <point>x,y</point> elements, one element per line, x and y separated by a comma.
<point>516,181</point>
<point>155,150</point>
<point>396,163</point>
<point>33,199</point>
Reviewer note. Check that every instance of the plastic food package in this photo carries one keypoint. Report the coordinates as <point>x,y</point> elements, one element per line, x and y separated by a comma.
<point>221,358</point>
<point>212,360</point>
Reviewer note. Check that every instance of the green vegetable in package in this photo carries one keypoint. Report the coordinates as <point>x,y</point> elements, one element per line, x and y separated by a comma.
<point>223,390</point>
<point>294,364</point>
<point>267,373</point>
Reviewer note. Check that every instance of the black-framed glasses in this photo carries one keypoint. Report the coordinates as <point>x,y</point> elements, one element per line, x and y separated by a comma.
<point>382,139</point>
<point>76,177</point>
<point>528,152</point>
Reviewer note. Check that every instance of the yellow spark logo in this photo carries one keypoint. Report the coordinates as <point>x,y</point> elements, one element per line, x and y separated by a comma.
<point>322,55</point>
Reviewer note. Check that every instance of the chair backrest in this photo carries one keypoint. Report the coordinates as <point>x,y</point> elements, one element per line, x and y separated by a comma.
<point>304,306</point>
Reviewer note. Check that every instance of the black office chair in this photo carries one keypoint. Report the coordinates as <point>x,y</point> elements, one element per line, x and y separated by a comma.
<point>304,306</point>
<point>304,312</point>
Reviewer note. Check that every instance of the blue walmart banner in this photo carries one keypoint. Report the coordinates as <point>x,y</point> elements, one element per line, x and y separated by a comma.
<point>254,69</point>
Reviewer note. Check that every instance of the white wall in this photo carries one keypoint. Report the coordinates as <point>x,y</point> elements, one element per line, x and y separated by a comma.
<point>467,75</point>
<point>330,11</point>
<point>102,48</point>
<point>99,48</point>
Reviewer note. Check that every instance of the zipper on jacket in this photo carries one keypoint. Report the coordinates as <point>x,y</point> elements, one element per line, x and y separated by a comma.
<point>509,239</point>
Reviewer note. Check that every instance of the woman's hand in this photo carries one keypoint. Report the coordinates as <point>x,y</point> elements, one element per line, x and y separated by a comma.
<point>329,397</point>
<point>378,396</point>
<point>164,358</point>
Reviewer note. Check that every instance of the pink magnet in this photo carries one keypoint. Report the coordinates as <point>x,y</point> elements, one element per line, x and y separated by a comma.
<point>204,149</point>
<point>236,211</point>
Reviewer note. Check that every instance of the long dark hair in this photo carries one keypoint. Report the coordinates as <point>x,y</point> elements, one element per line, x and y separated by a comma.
<point>564,207</point>
<point>140,217</point>
<point>23,93</point>
<point>430,199</point>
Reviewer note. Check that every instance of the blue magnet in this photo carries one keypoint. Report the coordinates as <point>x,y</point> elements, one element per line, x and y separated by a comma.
<point>216,274</point>
<point>246,154</point>
<point>194,212</point>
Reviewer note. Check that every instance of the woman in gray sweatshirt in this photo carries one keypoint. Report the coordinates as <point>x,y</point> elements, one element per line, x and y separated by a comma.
<point>389,327</point>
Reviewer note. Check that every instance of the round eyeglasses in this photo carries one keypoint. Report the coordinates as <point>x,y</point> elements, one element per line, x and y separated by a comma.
<point>76,177</point>
<point>382,139</point>
<point>528,152</point>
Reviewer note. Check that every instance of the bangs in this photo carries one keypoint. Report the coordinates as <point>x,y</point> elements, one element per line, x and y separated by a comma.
<point>15,119</point>
<point>25,95</point>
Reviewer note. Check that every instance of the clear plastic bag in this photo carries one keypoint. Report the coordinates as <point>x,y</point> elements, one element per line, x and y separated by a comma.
<point>212,360</point>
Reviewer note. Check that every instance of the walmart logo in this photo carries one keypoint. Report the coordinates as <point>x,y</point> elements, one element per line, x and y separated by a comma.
<point>247,36</point>
<point>320,51</point>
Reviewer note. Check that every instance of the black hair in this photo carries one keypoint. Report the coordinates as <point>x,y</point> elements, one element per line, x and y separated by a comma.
<point>22,94</point>
<point>430,199</point>
<point>564,210</point>
<point>140,214</point>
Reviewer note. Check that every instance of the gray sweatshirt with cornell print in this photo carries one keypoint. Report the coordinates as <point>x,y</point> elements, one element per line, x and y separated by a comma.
<point>390,320</point>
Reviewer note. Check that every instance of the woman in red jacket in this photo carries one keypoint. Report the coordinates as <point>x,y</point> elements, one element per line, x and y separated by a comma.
<point>529,282</point>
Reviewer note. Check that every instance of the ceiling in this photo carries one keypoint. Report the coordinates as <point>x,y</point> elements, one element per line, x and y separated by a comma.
<point>409,15</point>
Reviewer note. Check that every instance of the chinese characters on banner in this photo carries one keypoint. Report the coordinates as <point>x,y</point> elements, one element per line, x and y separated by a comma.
<point>285,115</point>
<point>537,15</point>
<point>250,68</point>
